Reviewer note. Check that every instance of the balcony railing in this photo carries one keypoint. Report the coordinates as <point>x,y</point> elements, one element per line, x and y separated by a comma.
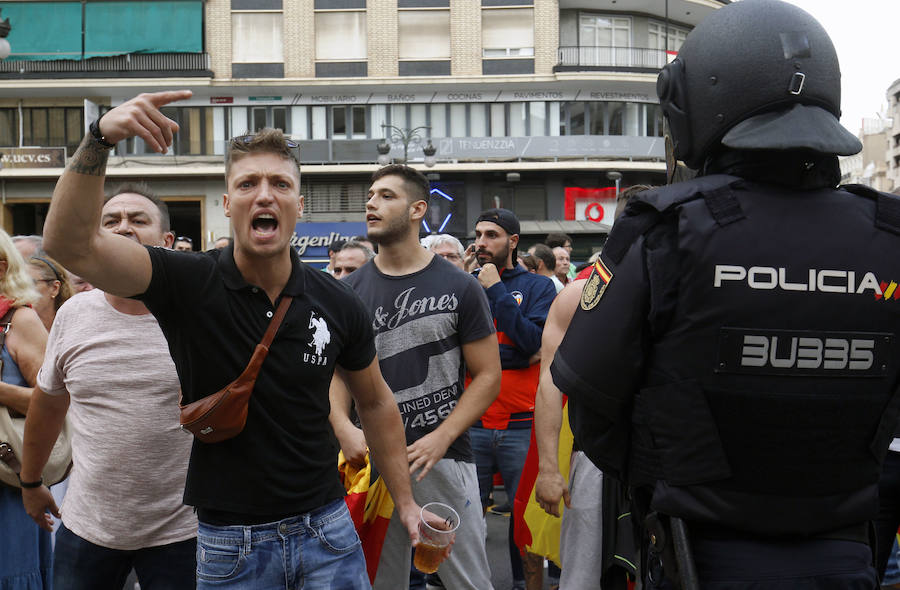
<point>133,63</point>
<point>612,57</point>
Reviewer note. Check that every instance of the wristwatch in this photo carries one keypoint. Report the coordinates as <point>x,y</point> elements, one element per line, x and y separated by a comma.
<point>94,128</point>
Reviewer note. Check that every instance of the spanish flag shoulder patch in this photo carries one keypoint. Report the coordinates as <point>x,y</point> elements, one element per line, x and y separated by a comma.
<point>595,286</point>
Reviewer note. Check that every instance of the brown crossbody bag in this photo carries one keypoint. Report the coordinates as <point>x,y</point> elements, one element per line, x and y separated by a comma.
<point>222,415</point>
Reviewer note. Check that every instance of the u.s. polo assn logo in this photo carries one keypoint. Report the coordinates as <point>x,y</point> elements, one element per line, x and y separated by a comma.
<point>320,339</point>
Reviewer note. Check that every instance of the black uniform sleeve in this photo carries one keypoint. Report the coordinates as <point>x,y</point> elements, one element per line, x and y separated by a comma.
<point>600,362</point>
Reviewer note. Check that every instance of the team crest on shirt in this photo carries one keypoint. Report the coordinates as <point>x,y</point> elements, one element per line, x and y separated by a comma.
<point>595,286</point>
<point>517,295</point>
<point>321,336</point>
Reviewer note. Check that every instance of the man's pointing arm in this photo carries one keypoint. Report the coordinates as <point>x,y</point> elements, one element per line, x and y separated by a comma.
<point>72,232</point>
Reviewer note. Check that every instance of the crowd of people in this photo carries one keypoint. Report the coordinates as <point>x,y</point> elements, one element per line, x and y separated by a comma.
<point>457,334</point>
<point>703,451</point>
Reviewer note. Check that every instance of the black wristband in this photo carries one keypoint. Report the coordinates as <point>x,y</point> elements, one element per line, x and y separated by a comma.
<point>94,128</point>
<point>28,485</point>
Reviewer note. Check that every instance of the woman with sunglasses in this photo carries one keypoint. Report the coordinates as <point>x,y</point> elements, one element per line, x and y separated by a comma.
<point>53,285</point>
<point>25,553</point>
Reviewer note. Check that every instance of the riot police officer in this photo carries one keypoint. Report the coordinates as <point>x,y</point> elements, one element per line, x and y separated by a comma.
<point>735,354</point>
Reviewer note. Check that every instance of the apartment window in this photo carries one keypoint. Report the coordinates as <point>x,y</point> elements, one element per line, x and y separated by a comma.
<point>478,120</point>
<point>424,34</point>
<point>275,117</point>
<point>654,120</point>
<point>596,115</point>
<point>537,118</point>
<point>498,120</point>
<point>256,37</point>
<point>341,35</point>
<point>52,127</point>
<point>458,120</point>
<point>604,40</point>
<point>507,32</point>
<point>624,118</point>
<point>657,36</point>
<point>378,116</point>
<point>339,122</point>
<point>398,115</point>
<point>9,127</point>
<point>438,114</point>
<point>348,118</point>
<point>517,119</point>
<point>417,116</point>
<point>195,129</point>
<point>319,118</point>
<point>571,118</point>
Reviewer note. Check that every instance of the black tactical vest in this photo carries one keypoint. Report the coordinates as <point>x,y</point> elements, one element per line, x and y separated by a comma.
<point>769,398</point>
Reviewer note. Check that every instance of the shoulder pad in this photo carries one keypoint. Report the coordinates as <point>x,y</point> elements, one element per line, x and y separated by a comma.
<point>887,206</point>
<point>860,190</point>
<point>666,197</point>
<point>644,210</point>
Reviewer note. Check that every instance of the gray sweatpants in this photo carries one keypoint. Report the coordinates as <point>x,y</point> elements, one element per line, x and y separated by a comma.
<point>582,527</point>
<point>456,484</point>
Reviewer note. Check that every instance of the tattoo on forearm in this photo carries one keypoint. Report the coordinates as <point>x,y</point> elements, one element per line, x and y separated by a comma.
<point>90,158</point>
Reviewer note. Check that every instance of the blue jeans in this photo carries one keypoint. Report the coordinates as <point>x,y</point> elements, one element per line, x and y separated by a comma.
<point>503,451</point>
<point>81,565</point>
<point>319,549</point>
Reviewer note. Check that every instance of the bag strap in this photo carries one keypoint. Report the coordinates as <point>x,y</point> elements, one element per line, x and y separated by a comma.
<point>5,325</point>
<point>262,349</point>
<point>276,321</point>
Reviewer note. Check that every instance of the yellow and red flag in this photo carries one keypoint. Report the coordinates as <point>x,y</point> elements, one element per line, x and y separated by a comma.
<point>535,530</point>
<point>370,506</point>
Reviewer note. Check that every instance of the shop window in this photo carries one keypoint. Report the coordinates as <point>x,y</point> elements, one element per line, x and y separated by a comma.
<point>9,127</point>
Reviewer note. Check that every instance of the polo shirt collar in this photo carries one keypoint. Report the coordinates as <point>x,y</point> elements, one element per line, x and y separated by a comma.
<point>235,280</point>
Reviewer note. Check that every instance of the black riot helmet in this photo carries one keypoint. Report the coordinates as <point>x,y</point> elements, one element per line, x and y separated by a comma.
<point>755,74</point>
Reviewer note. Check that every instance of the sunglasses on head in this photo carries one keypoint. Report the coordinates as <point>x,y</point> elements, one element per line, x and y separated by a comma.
<point>293,146</point>
<point>184,239</point>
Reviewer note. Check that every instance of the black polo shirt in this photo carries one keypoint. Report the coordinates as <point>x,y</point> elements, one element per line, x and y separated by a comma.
<point>285,461</point>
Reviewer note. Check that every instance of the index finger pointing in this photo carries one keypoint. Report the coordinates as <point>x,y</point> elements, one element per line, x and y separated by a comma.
<point>163,98</point>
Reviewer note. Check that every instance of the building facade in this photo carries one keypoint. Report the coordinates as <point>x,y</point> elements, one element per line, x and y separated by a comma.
<point>541,106</point>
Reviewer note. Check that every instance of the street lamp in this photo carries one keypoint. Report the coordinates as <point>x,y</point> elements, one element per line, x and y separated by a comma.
<point>617,177</point>
<point>406,137</point>
<point>5,28</point>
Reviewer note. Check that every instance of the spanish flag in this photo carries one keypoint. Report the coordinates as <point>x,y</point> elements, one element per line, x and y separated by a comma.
<point>370,506</point>
<point>535,530</point>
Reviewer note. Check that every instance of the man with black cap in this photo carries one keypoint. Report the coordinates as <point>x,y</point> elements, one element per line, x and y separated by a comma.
<point>519,303</point>
<point>731,362</point>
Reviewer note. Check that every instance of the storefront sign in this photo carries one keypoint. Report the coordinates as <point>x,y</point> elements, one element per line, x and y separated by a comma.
<point>605,91</point>
<point>33,157</point>
<point>590,204</point>
<point>311,240</point>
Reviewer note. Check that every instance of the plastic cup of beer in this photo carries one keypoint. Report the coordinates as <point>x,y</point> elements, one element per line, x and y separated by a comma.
<point>437,527</point>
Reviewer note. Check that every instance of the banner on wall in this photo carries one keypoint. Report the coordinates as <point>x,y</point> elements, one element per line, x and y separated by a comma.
<point>311,240</point>
<point>590,204</point>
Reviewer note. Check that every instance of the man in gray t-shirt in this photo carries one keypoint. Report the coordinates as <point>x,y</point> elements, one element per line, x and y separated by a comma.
<point>432,322</point>
<point>108,367</point>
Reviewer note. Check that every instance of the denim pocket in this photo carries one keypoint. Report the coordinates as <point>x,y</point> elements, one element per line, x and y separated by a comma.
<point>215,562</point>
<point>338,535</point>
